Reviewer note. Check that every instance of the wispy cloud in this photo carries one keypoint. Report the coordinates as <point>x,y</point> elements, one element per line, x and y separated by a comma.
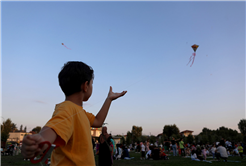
<point>87,104</point>
<point>39,101</point>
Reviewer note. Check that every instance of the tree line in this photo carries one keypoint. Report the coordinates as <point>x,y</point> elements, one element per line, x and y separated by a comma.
<point>8,126</point>
<point>172,131</point>
<point>169,132</point>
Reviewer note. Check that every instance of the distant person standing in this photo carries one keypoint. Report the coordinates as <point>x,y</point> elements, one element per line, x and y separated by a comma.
<point>147,145</point>
<point>240,150</point>
<point>213,150</point>
<point>142,151</point>
<point>181,146</point>
<point>167,144</point>
<point>174,147</point>
<point>104,158</point>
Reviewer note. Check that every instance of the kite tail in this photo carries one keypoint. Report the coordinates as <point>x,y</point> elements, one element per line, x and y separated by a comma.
<point>67,47</point>
<point>192,61</point>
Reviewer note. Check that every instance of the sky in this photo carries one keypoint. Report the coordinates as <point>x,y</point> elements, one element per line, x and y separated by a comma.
<point>141,47</point>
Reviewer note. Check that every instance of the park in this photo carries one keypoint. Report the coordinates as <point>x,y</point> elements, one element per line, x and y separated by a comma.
<point>206,138</point>
<point>123,83</point>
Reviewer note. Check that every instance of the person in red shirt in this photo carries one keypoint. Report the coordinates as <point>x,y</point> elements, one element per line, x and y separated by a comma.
<point>163,155</point>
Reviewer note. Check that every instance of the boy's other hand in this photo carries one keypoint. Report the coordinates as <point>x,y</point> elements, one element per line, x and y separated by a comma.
<point>113,96</point>
<point>30,146</point>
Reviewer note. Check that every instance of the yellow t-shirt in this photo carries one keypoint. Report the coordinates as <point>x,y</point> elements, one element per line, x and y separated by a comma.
<point>240,149</point>
<point>72,123</point>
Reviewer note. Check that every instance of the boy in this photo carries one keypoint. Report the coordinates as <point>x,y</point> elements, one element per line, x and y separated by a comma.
<point>69,127</point>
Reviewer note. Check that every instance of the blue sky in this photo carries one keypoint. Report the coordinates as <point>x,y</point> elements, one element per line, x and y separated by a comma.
<point>141,47</point>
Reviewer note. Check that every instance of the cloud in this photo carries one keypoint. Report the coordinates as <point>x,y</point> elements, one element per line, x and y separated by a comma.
<point>39,101</point>
<point>87,104</point>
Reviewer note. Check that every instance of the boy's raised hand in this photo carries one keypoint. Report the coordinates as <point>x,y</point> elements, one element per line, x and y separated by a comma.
<point>30,145</point>
<point>113,96</point>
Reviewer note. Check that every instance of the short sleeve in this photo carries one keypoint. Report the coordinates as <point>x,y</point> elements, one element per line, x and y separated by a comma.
<point>91,117</point>
<point>62,123</point>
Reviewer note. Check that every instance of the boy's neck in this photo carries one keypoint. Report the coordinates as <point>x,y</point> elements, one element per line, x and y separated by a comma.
<point>76,99</point>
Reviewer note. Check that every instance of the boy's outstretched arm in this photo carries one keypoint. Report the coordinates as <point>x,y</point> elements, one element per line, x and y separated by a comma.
<point>30,146</point>
<point>102,114</point>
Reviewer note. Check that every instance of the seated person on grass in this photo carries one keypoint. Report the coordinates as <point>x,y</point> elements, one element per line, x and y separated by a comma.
<point>204,154</point>
<point>125,154</point>
<point>118,152</point>
<point>149,153</point>
<point>221,152</point>
<point>194,156</point>
<point>199,153</point>
<point>163,155</point>
<point>235,152</point>
<point>187,151</point>
<point>156,153</point>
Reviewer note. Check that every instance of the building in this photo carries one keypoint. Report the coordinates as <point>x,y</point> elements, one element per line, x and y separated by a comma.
<point>95,132</point>
<point>117,139</point>
<point>186,133</point>
<point>159,136</point>
<point>17,136</point>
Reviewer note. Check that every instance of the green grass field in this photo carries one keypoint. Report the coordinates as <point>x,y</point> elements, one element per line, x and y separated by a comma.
<point>173,161</point>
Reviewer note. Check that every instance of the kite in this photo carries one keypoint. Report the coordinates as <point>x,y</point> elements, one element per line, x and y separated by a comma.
<point>194,47</point>
<point>66,46</point>
<point>47,153</point>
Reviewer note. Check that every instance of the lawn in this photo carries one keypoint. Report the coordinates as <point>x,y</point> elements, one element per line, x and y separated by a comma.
<point>173,161</point>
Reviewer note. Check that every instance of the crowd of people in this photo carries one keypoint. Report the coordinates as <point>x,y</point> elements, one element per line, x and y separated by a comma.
<point>150,151</point>
<point>12,150</point>
<point>197,152</point>
<point>107,150</point>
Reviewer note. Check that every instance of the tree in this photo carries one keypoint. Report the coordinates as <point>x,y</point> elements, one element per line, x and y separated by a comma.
<point>122,140</point>
<point>171,131</point>
<point>190,139</point>
<point>163,138</point>
<point>216,135</point>
<point>152,139</point>
<point>242,126</point>
<point>128,138</point>
<point>244,138</point>
<point>136,132</point>
<point>204,139</point>
<point>13,127</point>
<point>4,136</point>
<point>21,128</point>
<point>25,129</point>
<point>6,127</point>
<point>143,138</point>
<point>37,129</point>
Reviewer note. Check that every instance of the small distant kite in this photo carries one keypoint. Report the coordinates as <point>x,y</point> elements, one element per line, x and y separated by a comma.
<point>66,46</point>
<point>192,57</point>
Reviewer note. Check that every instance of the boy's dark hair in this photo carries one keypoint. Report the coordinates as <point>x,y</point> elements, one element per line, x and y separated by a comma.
<point>73,75</point>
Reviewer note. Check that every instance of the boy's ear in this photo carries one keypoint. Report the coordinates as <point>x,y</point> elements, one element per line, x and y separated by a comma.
<point>84,86</point>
